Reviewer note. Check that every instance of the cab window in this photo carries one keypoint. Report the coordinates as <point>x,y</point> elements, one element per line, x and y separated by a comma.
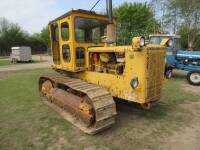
<point>155,40</point>
<point>89,30</point>
<point>65,31</point>
<point>66,53</point>
<point>80,53</point>
<point>54,32</point>
<point>80,57</point>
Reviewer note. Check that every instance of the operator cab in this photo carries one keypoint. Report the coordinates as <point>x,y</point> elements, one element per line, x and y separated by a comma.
<point>72,34</point>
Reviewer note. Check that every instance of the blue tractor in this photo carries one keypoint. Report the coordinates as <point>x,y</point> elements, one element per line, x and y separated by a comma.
<point>179,59</point>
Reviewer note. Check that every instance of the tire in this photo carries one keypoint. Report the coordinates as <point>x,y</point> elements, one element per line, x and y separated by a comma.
<point>168,74</point>
<point>193,78</point>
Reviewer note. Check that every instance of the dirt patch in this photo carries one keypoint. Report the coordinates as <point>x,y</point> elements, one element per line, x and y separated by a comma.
<point>42,58</point>
<point>188,137</point>
<point>40,62</point>
<point>61,142</point>
<point>189,88</point>
<point>4,75</point>
<point>25,67</point>
<point>181,74</point>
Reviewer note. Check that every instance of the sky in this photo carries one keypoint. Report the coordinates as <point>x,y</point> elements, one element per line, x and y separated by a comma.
<point>33,15</point>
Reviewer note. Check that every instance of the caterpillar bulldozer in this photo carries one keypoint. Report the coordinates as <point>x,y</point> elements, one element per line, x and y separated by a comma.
<point>91,70</point>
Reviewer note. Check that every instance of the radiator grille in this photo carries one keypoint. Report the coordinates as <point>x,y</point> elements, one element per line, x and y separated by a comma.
<point>155,74</point>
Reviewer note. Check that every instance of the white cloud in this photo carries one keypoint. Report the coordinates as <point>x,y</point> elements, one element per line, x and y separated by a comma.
<point>32,15</point>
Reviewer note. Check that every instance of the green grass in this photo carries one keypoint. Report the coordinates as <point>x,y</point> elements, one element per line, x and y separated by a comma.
<point>25,123</point>
<point>4,62</point>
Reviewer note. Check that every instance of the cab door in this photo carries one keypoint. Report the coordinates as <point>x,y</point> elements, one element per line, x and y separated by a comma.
<point>65,44</point>
<point>55,46</point>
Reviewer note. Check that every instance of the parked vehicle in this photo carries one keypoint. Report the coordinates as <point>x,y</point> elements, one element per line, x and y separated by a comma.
<point>179,59</point>
<point>21,54</point>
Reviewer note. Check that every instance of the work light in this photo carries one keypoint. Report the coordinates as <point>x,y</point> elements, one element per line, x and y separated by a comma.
<point>170,43</point>
<point>142,41</point>
<point>134,83</point>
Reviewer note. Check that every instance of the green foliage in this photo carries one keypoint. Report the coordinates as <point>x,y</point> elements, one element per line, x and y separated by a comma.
<point>134,19</point>
<point>45,36</point>
<point>10,35</point>
<point>183,31</point>
<point>188,13</point>
<point>37,43</point>
<point>182,17</point>
<point>184,42</point>
<point>5,62</point>
<point>13,35</point>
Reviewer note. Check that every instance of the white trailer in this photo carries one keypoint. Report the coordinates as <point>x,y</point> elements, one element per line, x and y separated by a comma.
<point>22,54</point>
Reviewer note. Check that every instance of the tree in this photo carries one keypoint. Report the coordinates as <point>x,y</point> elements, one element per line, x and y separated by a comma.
<point>13,35</point>
<point>37,45</point>
<point>167,16</point>
<point>184,38</point>
<point>45,36</point>
<point>189,12</point>
<point>183,16</point>
<point>40,41</point>
<point>134,19</point>
<point>10,35</point>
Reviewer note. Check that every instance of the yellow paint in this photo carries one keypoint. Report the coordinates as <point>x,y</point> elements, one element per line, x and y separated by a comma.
<point>136,43</point>
<point>46,86</point>
<point>84,108</point>
<point>146,64</point>
<point>164,41</point>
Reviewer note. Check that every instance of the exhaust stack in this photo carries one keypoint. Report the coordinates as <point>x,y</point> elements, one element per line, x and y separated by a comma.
<point>111,29</point>
<point>109,11</point>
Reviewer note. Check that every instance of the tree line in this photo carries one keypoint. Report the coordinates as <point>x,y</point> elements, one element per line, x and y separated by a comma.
<point>158,16</point>
<point>12,35</point>
<point>134,19</point>
<point>181,17</point>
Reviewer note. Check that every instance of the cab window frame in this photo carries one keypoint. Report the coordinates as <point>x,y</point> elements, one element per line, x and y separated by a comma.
<point>62,32</point>
<point>103,31</point>
<point>55,32</point>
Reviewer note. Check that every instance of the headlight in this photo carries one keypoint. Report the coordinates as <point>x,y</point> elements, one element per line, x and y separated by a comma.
<point>142,41</point>
<point>170,43</point>
<point>138,43</point>
<point>134,83</point>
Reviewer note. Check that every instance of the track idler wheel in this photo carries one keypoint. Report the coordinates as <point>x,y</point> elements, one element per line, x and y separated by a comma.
<point>46,87</point>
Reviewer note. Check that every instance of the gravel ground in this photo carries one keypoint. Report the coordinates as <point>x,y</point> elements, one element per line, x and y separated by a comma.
<point>45,63</point>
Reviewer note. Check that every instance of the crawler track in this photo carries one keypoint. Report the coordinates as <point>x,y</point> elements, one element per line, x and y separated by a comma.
<point>103,104</point>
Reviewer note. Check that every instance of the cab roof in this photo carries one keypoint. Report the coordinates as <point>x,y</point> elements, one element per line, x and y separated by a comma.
<point>85,12</point>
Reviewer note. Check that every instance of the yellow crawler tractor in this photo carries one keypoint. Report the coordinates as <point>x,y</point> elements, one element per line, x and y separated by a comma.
<point>92,70</point>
